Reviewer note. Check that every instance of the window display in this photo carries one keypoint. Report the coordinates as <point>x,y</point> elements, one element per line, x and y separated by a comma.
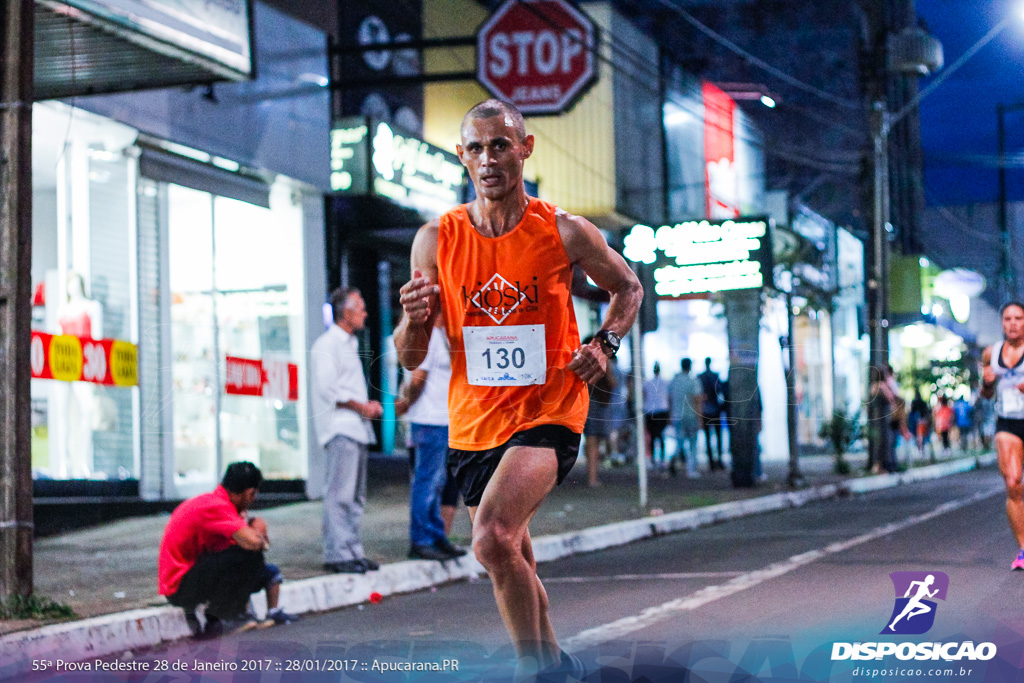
<point>236,283</point>
<point>83,284</point>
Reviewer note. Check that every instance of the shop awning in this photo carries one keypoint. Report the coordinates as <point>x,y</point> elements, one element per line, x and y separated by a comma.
<point>85,47</point>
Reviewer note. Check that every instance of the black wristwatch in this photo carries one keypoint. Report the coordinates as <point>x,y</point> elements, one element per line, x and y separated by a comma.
<point>609,342</point>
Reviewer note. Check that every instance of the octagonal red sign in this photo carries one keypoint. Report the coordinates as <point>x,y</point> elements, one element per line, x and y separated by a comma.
<point>537,54</point>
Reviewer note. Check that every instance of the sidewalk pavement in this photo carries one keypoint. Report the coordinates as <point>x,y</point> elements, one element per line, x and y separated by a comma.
<point>108,574</point>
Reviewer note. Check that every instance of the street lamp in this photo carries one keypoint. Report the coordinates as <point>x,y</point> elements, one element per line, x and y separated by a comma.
<point>1007,278</point>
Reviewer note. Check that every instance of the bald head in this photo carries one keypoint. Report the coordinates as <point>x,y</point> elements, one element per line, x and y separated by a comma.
<point>493,107</point>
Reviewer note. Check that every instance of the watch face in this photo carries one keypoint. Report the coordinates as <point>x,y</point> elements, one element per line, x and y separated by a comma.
<point>610,340</point>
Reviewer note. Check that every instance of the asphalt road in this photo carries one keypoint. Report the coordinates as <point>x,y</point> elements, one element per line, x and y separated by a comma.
<point>766,596</point>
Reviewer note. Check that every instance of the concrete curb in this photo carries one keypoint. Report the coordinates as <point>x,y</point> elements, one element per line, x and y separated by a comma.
<point>115,633</point>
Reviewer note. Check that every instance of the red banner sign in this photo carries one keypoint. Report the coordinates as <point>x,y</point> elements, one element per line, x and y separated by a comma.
<point>722,183</point>
<point>275,379</point>
<point>68,358</point>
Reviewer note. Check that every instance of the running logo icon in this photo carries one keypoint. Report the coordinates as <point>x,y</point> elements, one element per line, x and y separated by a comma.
<point>914,611</point>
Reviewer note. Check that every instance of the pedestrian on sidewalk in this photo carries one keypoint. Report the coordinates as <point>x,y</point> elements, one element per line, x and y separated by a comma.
<point>684,397</point>
<point>424,403</point>
<point>882,397</point>
<point>341,416</point>
<point>964,421</point>
<point>501,270</point>
<point>656,415</point>
<point>921,417</point>
<point>212,553</point>
<point>944,423</point>
<point>711,412</point>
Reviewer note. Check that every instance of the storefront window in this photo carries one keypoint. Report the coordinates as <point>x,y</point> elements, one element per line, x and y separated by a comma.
<point>84,287</point>
<point>236,286</point>
<point>195,357</point>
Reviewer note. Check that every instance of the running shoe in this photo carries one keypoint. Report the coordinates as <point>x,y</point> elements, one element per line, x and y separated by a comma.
<point>570,669</point>
<point>1018,562</point>
<point>279,617</point>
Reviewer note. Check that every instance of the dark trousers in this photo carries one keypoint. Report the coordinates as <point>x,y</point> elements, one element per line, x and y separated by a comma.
<point>656,424</point>
<point>225,580</point>
<point>713,421</point>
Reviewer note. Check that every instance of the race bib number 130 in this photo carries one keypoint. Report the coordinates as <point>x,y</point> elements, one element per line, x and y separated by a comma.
<point>505,356</point>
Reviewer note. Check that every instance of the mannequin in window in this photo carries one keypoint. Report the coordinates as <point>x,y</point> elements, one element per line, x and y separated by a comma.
<point>82,317</point>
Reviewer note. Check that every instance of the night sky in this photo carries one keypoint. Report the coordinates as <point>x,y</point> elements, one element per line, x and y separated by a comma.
<point>958,120</point>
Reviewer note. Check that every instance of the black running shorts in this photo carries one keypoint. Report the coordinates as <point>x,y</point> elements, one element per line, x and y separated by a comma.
<point>1010,426</point>
<point>473,469</point>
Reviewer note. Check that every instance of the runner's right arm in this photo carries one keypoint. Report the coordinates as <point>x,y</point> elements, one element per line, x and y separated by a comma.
<point>420,301</point>
<point>988,376</point>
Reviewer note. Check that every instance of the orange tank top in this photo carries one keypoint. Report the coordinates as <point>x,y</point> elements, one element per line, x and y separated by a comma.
<point>507,304</point>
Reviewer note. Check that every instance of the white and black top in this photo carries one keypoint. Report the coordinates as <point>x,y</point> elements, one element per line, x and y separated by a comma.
<point>1009,399</point>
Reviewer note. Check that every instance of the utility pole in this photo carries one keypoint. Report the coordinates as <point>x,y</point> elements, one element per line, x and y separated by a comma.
<point>878,282</point>
<point>16,95</point>
<point>794,479</point>
<point>1007,281</point>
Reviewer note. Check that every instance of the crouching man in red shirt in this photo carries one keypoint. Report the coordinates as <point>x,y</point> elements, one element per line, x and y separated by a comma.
<point>210,554</point>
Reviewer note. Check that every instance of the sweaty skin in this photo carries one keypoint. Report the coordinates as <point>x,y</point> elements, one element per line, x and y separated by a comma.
<point>493,150</point>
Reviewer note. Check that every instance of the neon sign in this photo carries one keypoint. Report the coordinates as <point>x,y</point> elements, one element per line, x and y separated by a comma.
<point>695,257</point>
<point>370,157</point>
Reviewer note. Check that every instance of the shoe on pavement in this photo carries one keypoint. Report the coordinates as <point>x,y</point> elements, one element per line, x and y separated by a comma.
<point>193,623</point>
<point>278,617</point>
<point>214,629</point>
<point>368,564</point>
<point>429,552</point>
<point>349,567</point>
<point>1018,562</point>
<point>569,670</point>
<point>449,547</point>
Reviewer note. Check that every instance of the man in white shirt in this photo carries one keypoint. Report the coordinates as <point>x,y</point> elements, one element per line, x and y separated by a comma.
<point>656,414</point>
<point>424,401</point>
<point>341,415</point>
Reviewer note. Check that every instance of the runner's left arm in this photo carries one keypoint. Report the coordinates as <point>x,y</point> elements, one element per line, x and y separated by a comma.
<point>586,247</point>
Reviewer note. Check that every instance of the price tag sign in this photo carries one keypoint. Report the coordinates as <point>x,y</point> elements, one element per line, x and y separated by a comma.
<point>505,356</point>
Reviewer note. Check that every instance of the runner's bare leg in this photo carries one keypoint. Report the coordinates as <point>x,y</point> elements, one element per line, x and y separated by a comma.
<point>1011,460</point>
<point>501,542</point>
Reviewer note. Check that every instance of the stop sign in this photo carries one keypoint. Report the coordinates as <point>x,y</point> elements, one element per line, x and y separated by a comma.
<point>536,54</point>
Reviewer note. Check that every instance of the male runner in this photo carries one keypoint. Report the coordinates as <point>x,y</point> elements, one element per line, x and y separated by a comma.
<point>1003,377</point>
<point>500,268</point>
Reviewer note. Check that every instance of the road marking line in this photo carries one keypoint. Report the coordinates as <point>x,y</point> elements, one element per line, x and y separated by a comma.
<point>640,577</point>
<point>623,627</point>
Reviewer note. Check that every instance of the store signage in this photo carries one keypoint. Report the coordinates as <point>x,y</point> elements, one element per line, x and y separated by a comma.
<point>721,186</point>
<point>272,379</point>
<point>696,257</point>
<point>349,170</point>
<point>68,358</point>
<point>371,157</point>
<point>537,54</point>
<point>215,29</point>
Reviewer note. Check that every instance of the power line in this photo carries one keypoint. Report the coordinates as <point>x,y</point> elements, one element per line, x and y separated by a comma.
<point>756,61</point>
<point>670,95</point>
